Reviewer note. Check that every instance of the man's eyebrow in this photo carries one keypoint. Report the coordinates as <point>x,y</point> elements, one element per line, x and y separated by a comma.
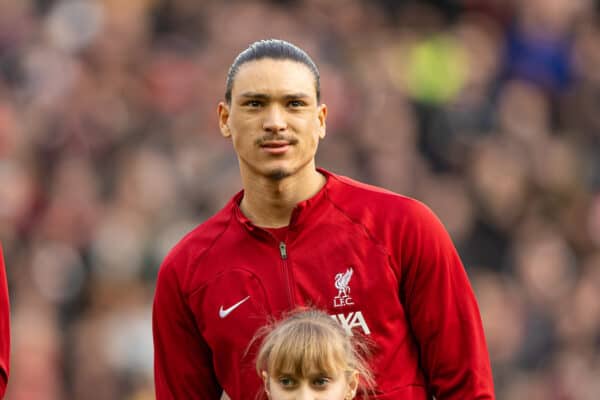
<point>255,95</point>
<point>298,95</point>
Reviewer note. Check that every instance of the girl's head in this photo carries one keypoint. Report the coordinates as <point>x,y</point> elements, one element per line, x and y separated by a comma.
<point>309,355</point>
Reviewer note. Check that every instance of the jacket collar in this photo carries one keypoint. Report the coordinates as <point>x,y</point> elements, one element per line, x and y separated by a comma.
<point>301,214</point>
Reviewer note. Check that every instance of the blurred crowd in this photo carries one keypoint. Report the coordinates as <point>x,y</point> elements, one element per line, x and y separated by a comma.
<point>486,110</point>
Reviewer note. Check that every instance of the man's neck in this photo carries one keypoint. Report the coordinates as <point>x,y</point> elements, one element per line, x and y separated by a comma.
<point>269,202</point>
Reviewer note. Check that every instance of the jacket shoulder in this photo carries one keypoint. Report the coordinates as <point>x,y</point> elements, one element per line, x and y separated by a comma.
<point>386,216</point>
<point>190,249</point>
<point>357,198</point>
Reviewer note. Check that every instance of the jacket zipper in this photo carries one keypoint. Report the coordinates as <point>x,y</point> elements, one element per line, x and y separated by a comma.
<point>286,271</point>
<point>283,251</point>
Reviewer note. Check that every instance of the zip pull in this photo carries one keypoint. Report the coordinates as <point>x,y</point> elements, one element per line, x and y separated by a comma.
<point>283,250</point>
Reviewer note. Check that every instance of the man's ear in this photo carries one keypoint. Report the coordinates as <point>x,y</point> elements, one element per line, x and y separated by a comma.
<point>265,378</point>
<point>322,116</point>
<point>223,113</point>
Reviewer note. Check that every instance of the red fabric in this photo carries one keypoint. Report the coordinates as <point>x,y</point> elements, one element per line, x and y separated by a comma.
<point>4,328</point>
<point>399,281</point>
<point>278,233</point>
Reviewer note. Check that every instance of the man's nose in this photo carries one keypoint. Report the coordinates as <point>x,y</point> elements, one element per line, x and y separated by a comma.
<point>275,120</point>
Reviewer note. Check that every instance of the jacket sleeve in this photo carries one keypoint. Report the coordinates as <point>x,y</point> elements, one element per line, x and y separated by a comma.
<point>183,366</point>
<point>443,313</point>
<point>4,328</point>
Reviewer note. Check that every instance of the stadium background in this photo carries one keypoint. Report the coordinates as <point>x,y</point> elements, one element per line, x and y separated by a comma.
<point>488,111</point>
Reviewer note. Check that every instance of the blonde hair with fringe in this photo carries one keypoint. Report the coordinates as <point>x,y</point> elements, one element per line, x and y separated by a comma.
<point>308,340</point>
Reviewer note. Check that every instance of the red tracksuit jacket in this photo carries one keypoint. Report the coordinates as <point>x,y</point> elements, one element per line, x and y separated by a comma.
<point>4,328</point>
<point>380,263</point>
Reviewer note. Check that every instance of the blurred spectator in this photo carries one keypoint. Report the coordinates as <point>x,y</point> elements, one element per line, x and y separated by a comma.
<point>539,42</point>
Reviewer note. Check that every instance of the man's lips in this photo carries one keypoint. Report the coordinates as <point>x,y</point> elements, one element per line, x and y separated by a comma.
<point>274,143</point>
<point>275,146</point>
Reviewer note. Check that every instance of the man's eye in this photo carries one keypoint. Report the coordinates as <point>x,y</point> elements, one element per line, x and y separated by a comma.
<point>296,103</point>
<point>253,103</point>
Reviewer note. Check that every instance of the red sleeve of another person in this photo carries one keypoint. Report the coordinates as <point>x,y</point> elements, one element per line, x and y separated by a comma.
<point>4,328</point>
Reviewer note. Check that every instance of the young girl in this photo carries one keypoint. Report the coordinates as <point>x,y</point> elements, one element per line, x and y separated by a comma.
<point>308,355</point>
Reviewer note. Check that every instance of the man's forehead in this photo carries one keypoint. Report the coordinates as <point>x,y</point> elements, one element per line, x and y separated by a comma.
<point>268,64</point>
<point>269,75</point>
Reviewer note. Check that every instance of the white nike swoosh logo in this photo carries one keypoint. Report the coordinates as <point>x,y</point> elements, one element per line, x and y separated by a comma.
<point>226,312</point>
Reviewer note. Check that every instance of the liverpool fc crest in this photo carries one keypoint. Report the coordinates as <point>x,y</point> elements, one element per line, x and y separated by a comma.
<point>342,281</point>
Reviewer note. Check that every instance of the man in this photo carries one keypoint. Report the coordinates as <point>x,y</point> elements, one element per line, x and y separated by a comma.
<point>379,263</point>
<point>4,328</point>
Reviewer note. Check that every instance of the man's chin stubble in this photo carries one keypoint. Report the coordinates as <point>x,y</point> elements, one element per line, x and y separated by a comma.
<point>278,174</point>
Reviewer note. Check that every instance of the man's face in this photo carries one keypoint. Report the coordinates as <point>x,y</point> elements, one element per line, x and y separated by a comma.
<point>273,120</point>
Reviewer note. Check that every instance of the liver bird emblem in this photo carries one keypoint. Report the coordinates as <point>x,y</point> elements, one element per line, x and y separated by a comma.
<point>341,284</point>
